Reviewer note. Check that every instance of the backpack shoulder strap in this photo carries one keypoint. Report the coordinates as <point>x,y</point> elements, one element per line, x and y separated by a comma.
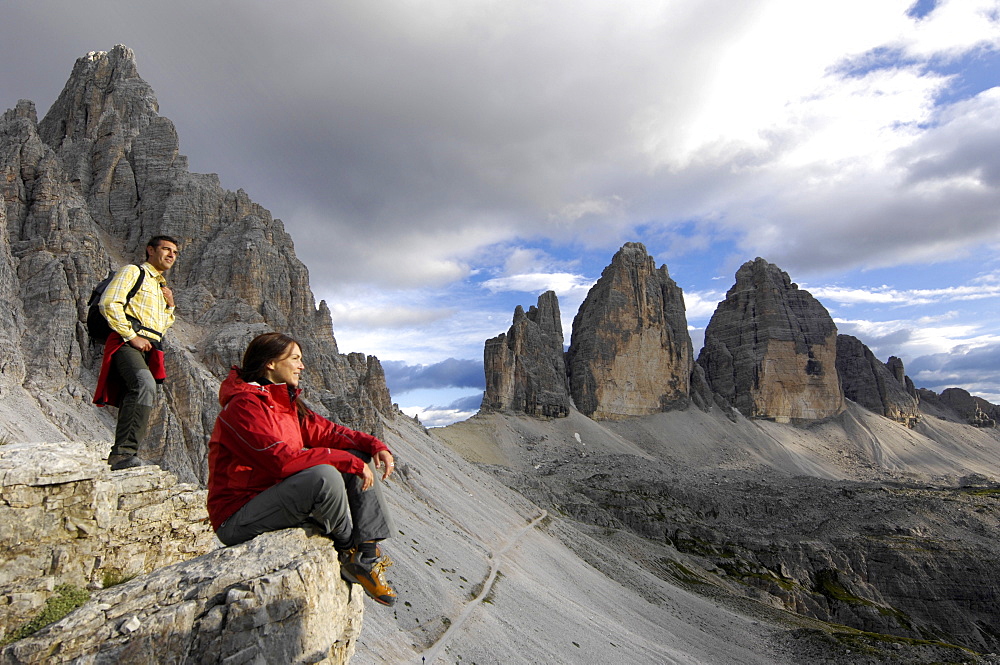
<point>138,282</point>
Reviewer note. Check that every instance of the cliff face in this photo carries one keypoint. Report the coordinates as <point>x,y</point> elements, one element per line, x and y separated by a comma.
<point>84,189</point>
<point>525,368</point>
<point>630,353</point>
<point>878,387</point>
<point>771,348</point>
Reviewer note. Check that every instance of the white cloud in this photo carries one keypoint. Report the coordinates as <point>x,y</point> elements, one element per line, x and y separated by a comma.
<point>702,305</point>
<point>986,286</point>
<point>953,28</point>
<point>436,416</point>
<point>909,339</point>
<point>561,283</point>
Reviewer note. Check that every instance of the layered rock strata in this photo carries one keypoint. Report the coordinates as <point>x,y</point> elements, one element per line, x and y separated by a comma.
<point>83,190</point>
<point>878,387</point>
<point>525,368</point>
<point>771,349</point>
<point>275,599</point>
<point>66,519</point>
<point>630,353</point>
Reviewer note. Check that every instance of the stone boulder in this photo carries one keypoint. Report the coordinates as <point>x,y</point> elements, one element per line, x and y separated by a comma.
<point>771,349</point>
<point>278,598</point>
<point>526,368</point>
<point>630,353</point>
<point>878,387</point>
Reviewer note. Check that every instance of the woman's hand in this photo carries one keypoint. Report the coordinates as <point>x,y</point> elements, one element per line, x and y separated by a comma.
<point>384,459</point>
<point>367,478</point>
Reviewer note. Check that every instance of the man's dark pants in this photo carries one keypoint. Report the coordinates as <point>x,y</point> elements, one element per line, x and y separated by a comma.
<point>137,402</point>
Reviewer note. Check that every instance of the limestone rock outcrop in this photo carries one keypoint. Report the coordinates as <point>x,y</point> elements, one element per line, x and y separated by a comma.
<point>771,349</point>
<point>630,352</point>
<point>278,598</point>
<point>83,190</point>
<point>66,519</point>
<point>878,387</point>
<point>525,368</point>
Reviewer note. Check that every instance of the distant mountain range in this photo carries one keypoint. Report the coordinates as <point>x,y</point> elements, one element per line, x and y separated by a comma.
<point>771,351</point>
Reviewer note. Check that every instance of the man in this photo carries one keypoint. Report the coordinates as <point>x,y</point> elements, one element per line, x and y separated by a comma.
<point>133,357</point>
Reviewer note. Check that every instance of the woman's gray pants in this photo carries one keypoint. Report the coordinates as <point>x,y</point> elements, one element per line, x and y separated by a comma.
<point>322,496</point>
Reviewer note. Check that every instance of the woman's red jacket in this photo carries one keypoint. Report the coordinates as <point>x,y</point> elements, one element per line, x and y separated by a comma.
<point>259,440</point>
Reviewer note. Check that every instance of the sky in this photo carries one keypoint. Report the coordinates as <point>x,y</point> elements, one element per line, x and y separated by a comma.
<point>438,163</point>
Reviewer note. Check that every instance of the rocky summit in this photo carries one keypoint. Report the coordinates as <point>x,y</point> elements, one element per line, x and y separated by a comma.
<point>786,499</point>
<point>630,352</point>
<point>771,348</point>
<point>525,368</point>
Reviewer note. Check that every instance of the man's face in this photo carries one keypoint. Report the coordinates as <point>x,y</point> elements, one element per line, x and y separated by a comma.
<point>162,256</point>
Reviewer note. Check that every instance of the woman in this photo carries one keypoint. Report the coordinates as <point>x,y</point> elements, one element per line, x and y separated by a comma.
<point>274,464</point>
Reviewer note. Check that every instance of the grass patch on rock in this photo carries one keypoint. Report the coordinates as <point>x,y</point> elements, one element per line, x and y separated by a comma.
<point>66,599</point>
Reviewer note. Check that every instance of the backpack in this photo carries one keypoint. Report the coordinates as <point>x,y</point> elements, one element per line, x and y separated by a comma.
<point>97,325</point>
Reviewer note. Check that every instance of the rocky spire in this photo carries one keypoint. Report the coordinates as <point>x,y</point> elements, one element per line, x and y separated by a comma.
<point>876,386</point>
<point>630,353</point>
<point>771,348</point>
<point>525,368</point>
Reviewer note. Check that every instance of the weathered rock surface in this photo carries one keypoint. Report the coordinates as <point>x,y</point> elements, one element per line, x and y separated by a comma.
<point>630,352</point>
<point>526,368</point>
<point>878,387</point>
<point>83,190</point>
<point>887,569</point>
<point>66,519</point>
<point>276,599</point>
<point>771,349</point>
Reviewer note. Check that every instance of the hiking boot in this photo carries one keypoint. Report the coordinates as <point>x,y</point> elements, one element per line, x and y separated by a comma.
<point>119,462</point>
<point>369,574</point>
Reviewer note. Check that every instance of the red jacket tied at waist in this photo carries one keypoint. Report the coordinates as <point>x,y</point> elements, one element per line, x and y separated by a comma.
<point>108,390</point>
<point>259,440</point>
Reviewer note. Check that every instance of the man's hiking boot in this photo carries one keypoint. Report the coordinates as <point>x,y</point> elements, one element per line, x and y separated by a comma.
<point>119,462</point>
<point>369,574</point>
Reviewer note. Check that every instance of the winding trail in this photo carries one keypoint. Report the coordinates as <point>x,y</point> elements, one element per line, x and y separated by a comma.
<point>431,654</point>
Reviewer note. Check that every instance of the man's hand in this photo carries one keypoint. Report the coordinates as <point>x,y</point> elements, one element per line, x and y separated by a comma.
<point>168,295</point>
<point>140,343</point>
<point>384,459</point>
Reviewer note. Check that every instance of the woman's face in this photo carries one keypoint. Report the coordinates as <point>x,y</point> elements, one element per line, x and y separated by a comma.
<point>287,368</point>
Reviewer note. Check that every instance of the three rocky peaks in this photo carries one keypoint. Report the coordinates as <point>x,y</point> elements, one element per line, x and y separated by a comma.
<point>771,351</point>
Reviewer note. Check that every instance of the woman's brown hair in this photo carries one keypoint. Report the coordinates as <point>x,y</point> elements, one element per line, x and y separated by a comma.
<point>263,349</point>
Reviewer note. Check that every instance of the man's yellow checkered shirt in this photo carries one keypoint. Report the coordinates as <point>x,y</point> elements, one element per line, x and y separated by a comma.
<point>148,304</point>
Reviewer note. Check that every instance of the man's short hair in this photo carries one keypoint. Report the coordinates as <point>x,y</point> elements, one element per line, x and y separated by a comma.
<point>156,240</point>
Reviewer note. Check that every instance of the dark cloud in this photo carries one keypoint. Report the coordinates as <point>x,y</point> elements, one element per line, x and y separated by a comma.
<point>976,370</point>
<point>451,373</point>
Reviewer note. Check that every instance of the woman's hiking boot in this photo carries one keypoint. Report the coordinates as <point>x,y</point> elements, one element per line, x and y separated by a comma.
<point>369,573</point>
